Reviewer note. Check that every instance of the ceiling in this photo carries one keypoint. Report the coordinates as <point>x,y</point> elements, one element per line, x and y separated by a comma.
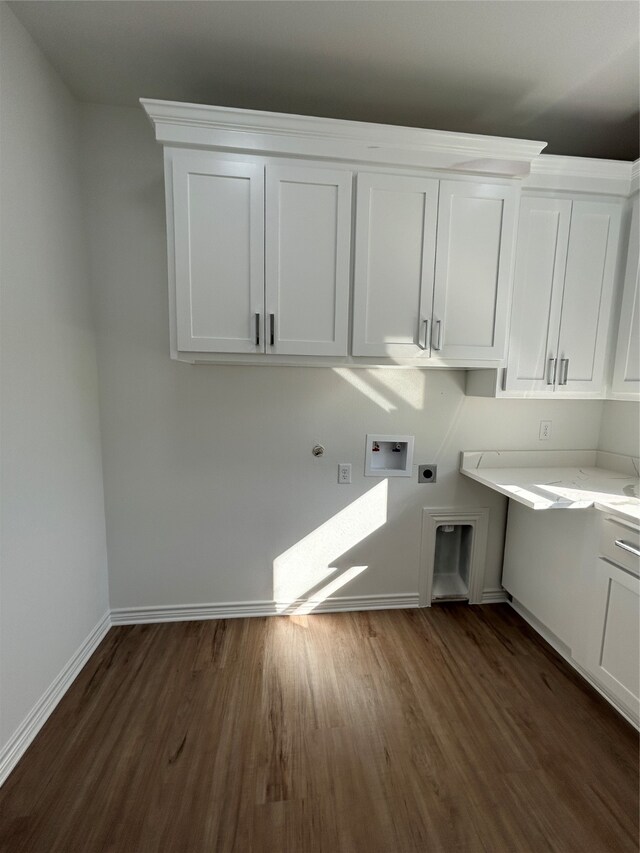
<point>564,72</point>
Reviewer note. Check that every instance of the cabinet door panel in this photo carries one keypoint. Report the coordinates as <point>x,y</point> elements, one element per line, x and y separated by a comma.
<point>613,651</point>
<point>543,235</point>
<point>476,224</point>
<point>626,373</point>
<point>588,293</point>
<point>308,241</point>
<point>218,225</point>
<point>543,558</point>
<point>394,264</point>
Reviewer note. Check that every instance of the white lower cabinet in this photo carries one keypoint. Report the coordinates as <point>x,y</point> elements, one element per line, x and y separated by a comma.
<point>574,574</point>
<point>612,655</point>
<point>543,559</point>
<point>608,638</point>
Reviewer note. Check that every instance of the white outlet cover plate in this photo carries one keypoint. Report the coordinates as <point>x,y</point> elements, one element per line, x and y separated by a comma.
<point>344,472</point>
<point>545,430</point>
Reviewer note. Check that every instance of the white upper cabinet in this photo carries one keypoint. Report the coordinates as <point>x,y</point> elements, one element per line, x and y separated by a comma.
<point>626,371</point>
<point>263,244</point>
<point>537,299</point>
<point>246,283</point>
<point>563,290</point>
<point>432,267</point>
<point>588,293</point>
<point>474,253</point>
<point>395,242</point>
<point>218,224</point>
<point>307,264</point>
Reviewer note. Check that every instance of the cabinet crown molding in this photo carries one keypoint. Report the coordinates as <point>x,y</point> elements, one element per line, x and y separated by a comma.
<point>635,176</point>
<point>267,133</point>
<point>582,174</point>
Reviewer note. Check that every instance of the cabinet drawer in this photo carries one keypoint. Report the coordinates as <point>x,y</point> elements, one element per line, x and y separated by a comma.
<point>618,541</point>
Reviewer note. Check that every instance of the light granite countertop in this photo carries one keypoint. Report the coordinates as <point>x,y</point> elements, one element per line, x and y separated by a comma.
<point>560,479</point>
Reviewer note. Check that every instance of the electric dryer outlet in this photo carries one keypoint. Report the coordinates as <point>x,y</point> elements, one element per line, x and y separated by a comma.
<point>427,473</point>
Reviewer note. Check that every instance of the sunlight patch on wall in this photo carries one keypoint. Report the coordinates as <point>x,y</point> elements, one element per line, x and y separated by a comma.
<point>357,380</point>
<point>408,385</point>
<point>301,569</point>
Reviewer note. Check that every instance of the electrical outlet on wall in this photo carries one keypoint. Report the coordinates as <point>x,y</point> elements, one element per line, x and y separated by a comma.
<point>545,430</point>
<point>344,472</point>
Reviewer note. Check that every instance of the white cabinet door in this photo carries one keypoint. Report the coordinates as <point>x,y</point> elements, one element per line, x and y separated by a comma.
<point>218,221</point>
<point>626,371</point>
<point>308,240</point>
<point>394,265</point>
<point>474,254</point>
<point>563,291</point>
<point>543,237</point>
<point>543,563</point>
<point>612,655</point>
<point>587,296</point>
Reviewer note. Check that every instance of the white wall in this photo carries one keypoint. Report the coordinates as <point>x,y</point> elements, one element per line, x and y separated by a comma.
<point>53,549</point>
<point>209,475</point>
<point>620,428</point>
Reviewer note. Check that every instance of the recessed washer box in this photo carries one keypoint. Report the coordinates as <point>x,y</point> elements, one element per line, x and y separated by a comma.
<point>388,456</point>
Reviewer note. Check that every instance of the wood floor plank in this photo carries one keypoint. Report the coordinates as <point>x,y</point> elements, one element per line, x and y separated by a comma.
<point>450,729</point>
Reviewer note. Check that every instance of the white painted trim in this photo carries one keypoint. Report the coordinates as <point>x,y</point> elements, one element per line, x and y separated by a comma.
<point>478,519</point>
<point>586,167</point>
<point>39,714</point>
<point>494,596</point>
<point>253,131</point>
<point>580,174</point>
<point>635,176</point>
<point>191,612</point>
<point>239,609</point>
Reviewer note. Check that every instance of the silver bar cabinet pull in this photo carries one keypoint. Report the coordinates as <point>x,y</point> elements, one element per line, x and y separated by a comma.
<point>551,371</point>
<point>436,347</point>
<point>424,323</point>
<point>257,330</point>
<point>272,329</point>
<point>564,371</point>
<point>627,546</point>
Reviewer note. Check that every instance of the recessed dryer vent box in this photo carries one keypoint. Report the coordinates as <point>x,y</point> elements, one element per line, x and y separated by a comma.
<point>388,456</point>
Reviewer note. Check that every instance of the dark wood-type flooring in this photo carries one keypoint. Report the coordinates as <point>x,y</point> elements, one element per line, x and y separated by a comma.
<point>449,729</point>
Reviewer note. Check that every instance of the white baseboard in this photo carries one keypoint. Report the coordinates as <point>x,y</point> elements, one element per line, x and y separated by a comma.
<point>494,596</point>
<point>237,609</point>
<point>37,717</point>
<point>345,603</point>
<point>190,612</point>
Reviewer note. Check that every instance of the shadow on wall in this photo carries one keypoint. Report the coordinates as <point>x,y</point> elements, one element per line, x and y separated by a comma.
<point>303,576</point>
